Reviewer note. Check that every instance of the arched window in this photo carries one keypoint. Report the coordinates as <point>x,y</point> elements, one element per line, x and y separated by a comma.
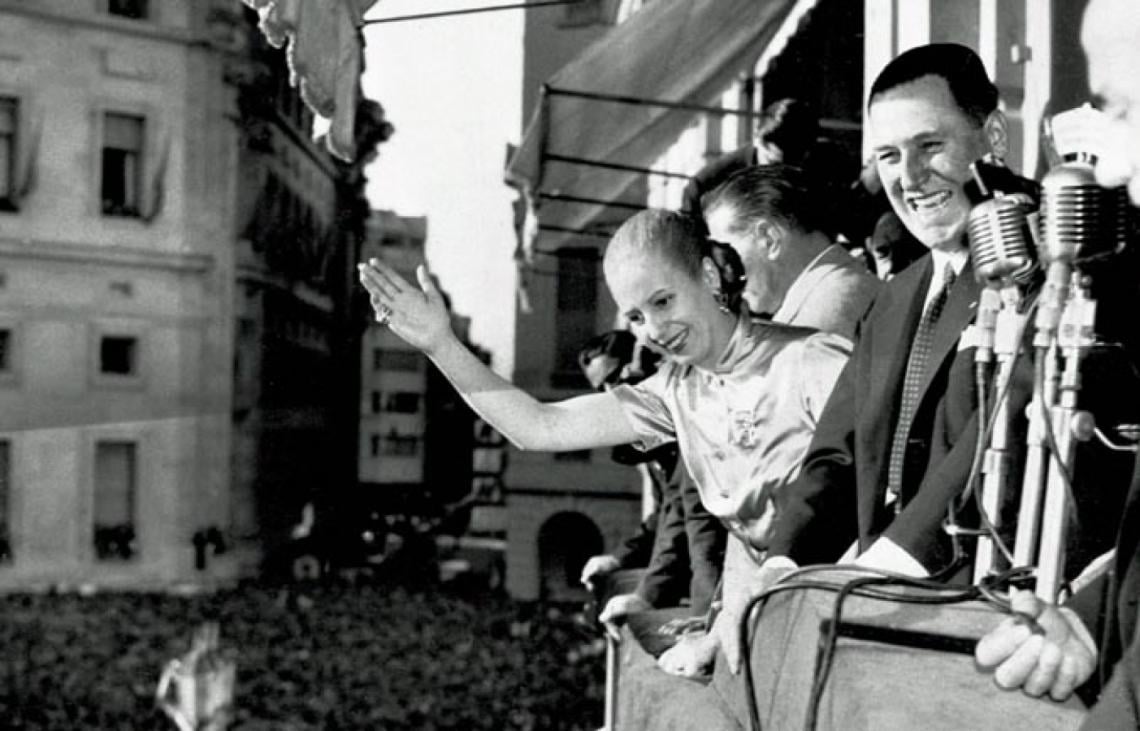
<point>565,542</point>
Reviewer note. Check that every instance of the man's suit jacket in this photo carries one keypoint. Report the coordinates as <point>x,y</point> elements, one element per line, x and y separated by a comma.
<point>1109,608</point>
<point>681,544</point>
<point>840,494</point>
<point>688,555</point>
<point>831,294</point>
<point>636,551</point>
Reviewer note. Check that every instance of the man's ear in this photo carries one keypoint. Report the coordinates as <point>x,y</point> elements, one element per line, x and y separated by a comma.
<point>769,236</point>
<point>996,128</point>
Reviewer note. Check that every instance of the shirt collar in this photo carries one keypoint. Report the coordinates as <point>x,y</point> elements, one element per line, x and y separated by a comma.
<point>740,344</point>
<point>956,259</point>
<point>939,260</point>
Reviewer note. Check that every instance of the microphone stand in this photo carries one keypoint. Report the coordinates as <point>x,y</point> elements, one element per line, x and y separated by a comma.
<point>1079,221</point>
<point>1036,456</point>
<point>1008,325</point>
<point>999,228</point>
<point>1075,337</point>
<point>1050,307</point>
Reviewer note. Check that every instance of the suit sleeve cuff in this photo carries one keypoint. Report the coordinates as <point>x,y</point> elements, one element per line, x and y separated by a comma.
<point>887,555</point>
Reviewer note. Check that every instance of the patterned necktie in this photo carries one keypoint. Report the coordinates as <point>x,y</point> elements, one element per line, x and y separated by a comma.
<point>915,368</point>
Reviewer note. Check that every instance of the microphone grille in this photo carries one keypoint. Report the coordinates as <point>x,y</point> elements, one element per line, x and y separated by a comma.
<point>1081,219</point>
<point>999,239</point>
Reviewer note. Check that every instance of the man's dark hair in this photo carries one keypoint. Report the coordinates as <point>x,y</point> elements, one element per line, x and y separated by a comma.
<point>963,71</point>
<point>617,344</point>
<point>633,364</point>
<point>777,192</point>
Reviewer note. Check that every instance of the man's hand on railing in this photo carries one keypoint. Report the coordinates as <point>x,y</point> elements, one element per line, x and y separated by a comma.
<point>617,609</point>
<point>691,657</point>
<point>685,626</point>
<point>1040,649</point>
<point>598,566</point>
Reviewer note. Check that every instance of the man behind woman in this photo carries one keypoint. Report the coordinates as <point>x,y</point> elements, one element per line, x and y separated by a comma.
<point>741,396</point>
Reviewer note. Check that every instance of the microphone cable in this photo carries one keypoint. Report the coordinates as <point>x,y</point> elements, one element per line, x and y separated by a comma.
<point>987,420</point>
<point>863,586</point>
<point>1051,435</point>
<point>870,584</point>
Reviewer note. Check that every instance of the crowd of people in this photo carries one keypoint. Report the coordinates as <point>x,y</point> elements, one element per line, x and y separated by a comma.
<point>826,416</point>
<point>376,656</point>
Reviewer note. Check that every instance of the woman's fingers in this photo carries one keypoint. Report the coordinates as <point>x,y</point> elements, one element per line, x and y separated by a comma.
<point>378,278</point>
<point>375,285</point>
<point>427,284</point>
<point>391,280</point>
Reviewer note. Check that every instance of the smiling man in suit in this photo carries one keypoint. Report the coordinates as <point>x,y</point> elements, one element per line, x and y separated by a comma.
<point>869,477</point>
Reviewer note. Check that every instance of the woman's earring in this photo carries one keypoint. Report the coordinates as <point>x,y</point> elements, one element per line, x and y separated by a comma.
<point>721,298</point>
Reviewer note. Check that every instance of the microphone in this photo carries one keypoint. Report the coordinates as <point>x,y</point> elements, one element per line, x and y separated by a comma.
<point>999,232</point>
<point>1081,221</point>
<point>1000,241</point>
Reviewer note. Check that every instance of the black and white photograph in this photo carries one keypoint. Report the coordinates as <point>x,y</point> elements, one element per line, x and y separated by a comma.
<point>569,365</point>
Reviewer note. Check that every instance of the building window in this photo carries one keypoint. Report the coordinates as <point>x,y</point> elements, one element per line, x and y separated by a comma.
<point>403,402</point>
<point>115,492</point>
<point>397,360</point>
<point>9,122</point>
<point>577,311</point>
<point>5,501</point>
<point>399,445</point>
<point>121,187</point>
<point>137,9</point>
<point>5,350</point>
<point>118,355</point>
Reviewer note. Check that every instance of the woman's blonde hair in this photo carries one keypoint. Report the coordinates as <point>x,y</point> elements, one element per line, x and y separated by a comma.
<point>678,240</point>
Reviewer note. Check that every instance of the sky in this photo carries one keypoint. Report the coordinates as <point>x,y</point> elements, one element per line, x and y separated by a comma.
<point>452,88</point>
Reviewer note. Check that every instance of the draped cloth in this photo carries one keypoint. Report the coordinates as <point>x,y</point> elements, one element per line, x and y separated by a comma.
<point>325,50</point>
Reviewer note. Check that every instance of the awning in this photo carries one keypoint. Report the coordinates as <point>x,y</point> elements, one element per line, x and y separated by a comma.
<point>679,51</point>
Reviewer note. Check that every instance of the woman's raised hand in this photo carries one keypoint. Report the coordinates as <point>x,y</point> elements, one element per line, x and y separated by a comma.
<point>418,316</point>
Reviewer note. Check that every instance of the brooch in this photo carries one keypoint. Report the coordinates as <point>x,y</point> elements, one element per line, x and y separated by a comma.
<point>743,430</point>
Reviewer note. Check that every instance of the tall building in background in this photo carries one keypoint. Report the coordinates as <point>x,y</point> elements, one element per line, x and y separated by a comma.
<point>393,374</point>
<point>562,508</point>
<point>172,292</point>
<point>416,435</point>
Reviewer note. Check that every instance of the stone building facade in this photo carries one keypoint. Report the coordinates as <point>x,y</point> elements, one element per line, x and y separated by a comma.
<point>162,316</point>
